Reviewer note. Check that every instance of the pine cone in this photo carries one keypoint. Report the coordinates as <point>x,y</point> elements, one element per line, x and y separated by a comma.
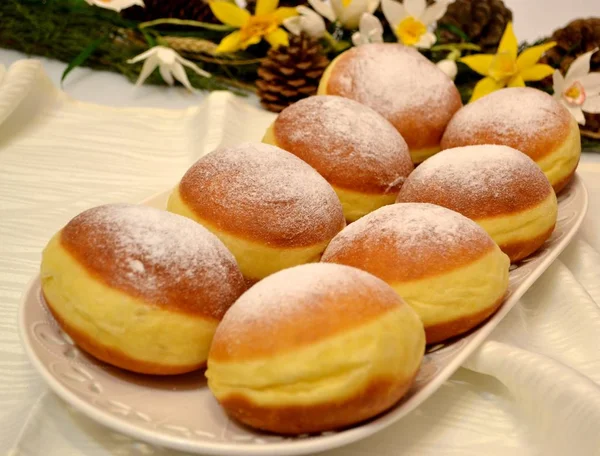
<point>291,73</point>
<point>251,4</point>
<point>483,21</point>
<point>194,10</point>
<point>576,38</point>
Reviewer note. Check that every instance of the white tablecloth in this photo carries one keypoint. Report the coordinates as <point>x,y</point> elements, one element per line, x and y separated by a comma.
<point>48,174</point>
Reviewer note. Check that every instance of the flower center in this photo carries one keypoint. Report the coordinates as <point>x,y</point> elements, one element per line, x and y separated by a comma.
<point>575,94</point>
<point>259,26</point>
<point>346,3</point>
<point>410,31</point>
<point>503,67</point>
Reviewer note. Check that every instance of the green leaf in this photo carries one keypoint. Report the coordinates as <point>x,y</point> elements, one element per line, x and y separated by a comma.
<point>187,23</point>
<point>455,30</point>
<point>82,57</point>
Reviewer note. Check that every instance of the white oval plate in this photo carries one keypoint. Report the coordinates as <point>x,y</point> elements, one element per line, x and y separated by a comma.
<point>180,413</point>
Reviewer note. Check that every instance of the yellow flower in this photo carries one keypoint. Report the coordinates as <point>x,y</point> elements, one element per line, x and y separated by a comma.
<point>505,68</point>
<point>252,29</point>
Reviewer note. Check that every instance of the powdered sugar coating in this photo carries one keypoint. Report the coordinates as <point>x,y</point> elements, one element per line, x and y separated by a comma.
<point>409,241</point>
<point>400,84</point>
<point>350,144</point>
<point>301,305</point>
<point>478,181</point>
<point>524,118</point>
<point>263,193</point>
<point>157,255</point>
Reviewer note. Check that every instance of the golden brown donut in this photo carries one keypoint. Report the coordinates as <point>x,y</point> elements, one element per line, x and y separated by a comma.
<point>359,152</point>
<point>401,85</point>
<point>314,348</point>
<point>498,187</point>
<point>271,209</point>
<point>442,264</point>
<point>139,288</point>
<point>525,119</point>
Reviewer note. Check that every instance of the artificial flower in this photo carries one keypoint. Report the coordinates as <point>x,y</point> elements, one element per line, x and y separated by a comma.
<point>115,5</point>
<point>370,30</point>
<point>169,63</point>
<point>346,12</point>
<point>505,68</point>
<point>307,21</point>
<point>252,29</point>
<point>579,90</point>
<point>449,67</point>
<point>410,20</point>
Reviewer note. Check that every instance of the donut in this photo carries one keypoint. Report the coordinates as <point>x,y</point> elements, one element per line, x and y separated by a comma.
<point>271,209</point>
<point>500,188</point>
<point>401,85</point>
<point>445,266</point>
<point>314,348</point>
<point>139,288</point>
<point>355,149</point>
<point>525,119</point>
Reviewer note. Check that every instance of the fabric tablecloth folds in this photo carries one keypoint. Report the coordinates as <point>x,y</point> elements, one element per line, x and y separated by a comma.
<point>532,388</point>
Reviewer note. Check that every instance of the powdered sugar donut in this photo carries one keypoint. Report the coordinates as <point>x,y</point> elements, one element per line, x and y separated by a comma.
<point>500,188</point>
<point>401,85</point>
<point>357,150</point>
<point>526,119</point>
<point>445,266</point>
<point>271,209</point>
<point>340,347</point>
<point>139,288</point>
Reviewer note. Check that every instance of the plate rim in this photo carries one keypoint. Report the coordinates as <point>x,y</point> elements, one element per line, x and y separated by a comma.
<point>303,446</point>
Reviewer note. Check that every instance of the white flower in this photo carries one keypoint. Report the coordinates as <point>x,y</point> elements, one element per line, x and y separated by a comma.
<point>306,21</point>
<point>116,5</point>
<point>449,67</point>
<point>346,12</point>
<point>2,73</point>
<point>579,90</point>
<point>410,20</point>
<point>370,30</point>
<point>169,63</point>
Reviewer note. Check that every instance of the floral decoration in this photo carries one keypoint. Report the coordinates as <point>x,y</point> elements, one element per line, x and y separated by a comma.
<point>370,30</point>
<point>345,12</point>
<point>115,5</point>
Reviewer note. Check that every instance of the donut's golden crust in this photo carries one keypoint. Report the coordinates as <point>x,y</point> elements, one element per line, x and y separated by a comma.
<point>339,313</point>
<point>343,164</point>
<point>416,262</point>
<point>381,394</point>
<point>419,128</point>
<point>519,250</point>
<point>206,191</point>
<point>116,357</point>
<point>562,184</point>
<point>186,295</point>
<point>531,189</point>
<point>443,331</point>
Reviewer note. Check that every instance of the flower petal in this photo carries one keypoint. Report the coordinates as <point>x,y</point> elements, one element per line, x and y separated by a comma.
<point>371,27</point>
<point>350,16</point>
<point>537,72</point>
<point>193,67</point>
<point>580,67</point>
<point>294,25</point>
<point>323,8</point>
<point>143,55</point>
<point>516,81</point>
<point>426,41</point>
<point>372,5</point>
<point>285,13</point>
<point>147,69</point>
<point>484,87</point>
<point>231,43</point>
<point>277,38</point>
<point>480,63</point>
<point>165,72</point>
<point>357,39</point>
<point>229,14</point>
<point>591,83</point>
<point>529,57</point>
<point>577,113</point>
<point>434,12</point>
<point>265,7</point>
<point>181,76</point>
<point>558,82</point>
<point>415,8</point>
<point>592,105</point>
<point>508,43</point>
<point>394,12</point>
